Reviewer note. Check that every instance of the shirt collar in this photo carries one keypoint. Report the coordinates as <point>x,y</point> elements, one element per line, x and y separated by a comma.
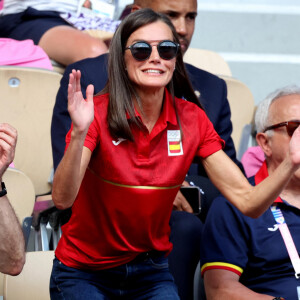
<point>261,175</point>
<point>168,111</point>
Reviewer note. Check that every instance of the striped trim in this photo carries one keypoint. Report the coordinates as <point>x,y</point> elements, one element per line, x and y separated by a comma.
<point>142,187</point>
<point>223,266</point>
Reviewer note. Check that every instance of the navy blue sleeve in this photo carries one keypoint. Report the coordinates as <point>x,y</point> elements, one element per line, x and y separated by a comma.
<point>224,238</point>
<point>93,71</point>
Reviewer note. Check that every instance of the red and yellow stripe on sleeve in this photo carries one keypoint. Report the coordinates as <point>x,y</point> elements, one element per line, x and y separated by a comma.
<point>222,266</point>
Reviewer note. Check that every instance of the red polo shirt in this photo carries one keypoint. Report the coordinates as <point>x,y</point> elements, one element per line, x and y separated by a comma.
<point>126,197</point>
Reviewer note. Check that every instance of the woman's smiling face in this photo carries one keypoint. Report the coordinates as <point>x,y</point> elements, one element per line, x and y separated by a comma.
<point>153,73</point>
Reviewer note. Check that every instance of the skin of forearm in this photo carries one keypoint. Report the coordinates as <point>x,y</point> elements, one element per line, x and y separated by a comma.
<point>228,287</point>
<point>237,294</point>
<point>67,178</point>
<point>251,201</point>
<point>12,244</point>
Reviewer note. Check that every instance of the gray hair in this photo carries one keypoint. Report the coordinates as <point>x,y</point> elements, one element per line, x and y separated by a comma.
<point>262,112</point>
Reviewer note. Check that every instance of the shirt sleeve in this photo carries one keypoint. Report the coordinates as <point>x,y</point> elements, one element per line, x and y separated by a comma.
<point>224,239</point>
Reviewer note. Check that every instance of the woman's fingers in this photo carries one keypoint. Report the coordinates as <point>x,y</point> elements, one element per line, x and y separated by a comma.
<point>90,93</point>
<point>77,75</point>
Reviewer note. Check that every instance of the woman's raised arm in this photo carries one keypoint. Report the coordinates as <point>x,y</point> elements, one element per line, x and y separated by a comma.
<point>252,201</point>
<point>70,171</point>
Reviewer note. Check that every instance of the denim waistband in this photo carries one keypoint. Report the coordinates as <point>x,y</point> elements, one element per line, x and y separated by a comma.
<point>146,255</point>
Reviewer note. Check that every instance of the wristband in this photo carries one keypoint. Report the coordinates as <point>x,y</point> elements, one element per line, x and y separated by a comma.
<point>4,191</point>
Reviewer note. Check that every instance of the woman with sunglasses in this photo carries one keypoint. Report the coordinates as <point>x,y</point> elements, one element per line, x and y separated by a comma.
<point>128,152</point>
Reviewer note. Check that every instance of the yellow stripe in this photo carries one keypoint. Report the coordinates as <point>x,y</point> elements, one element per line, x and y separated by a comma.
<point>221,264</point>
<point>143,187</point>
<point>175,147</point>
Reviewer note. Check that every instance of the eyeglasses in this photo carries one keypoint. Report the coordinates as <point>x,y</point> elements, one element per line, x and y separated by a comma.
<point>142,50</point>
<point>291,126</point>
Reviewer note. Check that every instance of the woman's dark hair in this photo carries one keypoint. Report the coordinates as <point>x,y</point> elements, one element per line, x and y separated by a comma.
<point>121,89</point>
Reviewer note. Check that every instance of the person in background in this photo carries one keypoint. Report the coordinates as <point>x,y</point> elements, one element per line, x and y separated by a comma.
<point>41,22</point>
<point>12,244</point>
<point>244,258</point>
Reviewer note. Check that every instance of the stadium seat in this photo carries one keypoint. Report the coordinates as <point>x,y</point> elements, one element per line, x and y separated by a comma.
<point>20,192</point>
<point>33,282</point>
<point>27,97</point>
<point>207,60</point>
<point>242,106</point>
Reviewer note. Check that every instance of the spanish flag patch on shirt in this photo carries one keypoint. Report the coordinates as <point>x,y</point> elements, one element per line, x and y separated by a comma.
<point>174,143</point>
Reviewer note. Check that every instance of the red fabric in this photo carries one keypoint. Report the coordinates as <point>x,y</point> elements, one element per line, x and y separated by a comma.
<point>125,200</point>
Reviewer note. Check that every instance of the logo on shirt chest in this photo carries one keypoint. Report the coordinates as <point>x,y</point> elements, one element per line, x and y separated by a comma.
<point>118,142</point>
<point>174,143</point>
<point>274,228</point>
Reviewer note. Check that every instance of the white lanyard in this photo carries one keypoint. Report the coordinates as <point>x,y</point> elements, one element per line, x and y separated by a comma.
<point>287,238</point>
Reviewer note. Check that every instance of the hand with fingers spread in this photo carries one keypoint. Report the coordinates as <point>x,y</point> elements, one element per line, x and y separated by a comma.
<point>8,141</point>
<point>80,110</point>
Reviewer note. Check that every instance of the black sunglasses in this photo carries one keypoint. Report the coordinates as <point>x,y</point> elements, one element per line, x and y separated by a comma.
<point>291,126</point>
<point>142,50</point>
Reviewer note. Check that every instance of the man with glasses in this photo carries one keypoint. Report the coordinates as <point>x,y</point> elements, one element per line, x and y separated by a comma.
<point>244,258</point>
<point>186,228</point>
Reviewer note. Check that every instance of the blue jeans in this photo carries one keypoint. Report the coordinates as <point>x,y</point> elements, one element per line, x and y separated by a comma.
<point>148,278</point>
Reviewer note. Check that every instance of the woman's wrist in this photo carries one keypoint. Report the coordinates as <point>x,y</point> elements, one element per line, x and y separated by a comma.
<point>78,134</point>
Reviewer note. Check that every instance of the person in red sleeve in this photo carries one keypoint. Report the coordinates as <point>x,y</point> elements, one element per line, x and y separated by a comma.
<point>127,154</point>
<point>244,258</point>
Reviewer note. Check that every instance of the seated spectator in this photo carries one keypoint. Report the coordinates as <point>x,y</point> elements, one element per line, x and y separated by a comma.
<point>12,250</point>
<point>23,54</point>
<point>41,22</point>
<point>244,258</point>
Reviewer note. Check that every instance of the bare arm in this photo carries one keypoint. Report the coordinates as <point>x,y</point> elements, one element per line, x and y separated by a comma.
<point>70,171</point>
<point>12,245</point>
<point>223,284</point>
<point>251,201</point>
